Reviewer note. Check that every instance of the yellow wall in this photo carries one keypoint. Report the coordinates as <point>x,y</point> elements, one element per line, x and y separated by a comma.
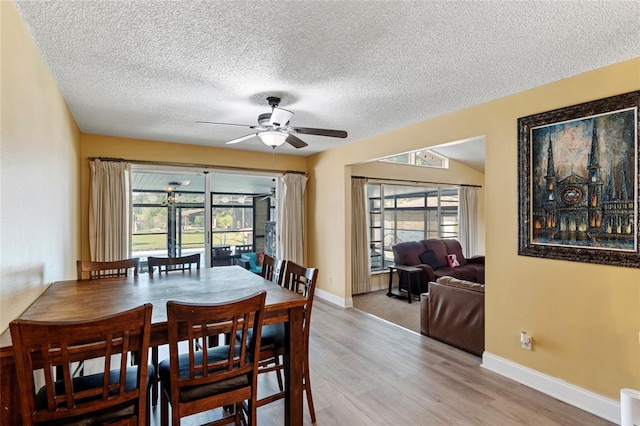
<point>584,318</point>
<point>39,207</point>
<point>143,150</point>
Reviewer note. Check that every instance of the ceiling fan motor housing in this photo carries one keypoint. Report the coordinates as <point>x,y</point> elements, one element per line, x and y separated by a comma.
<point>263,119</point>
<point>273,101</point>
<point>274,129</point>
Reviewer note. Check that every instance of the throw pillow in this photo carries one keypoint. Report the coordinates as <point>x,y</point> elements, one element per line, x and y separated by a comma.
<point>453,260</point>
<point>429,258</point>
<point>260,257</point>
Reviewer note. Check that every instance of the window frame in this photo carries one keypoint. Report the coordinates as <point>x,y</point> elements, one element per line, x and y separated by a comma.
<point>379,248</point>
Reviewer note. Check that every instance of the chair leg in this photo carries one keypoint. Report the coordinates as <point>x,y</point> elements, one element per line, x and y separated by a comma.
<point>252,413</point>
<point>175,415</point>
<point>154,384</point>
<point>279,373</point>
<point>307,388</point>
<point>164,409</point>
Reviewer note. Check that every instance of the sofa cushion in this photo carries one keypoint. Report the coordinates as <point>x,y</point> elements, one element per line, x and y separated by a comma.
<point>461,272</point>
<point>429,258</point>
<point>254,265</point>
<point>438,247</point>
<point>454,247</point>
<point>407,253</point>
<point>456,282</point>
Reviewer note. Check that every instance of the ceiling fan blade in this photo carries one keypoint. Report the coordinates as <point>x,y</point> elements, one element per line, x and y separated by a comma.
<point>321,132</point>
<point>241,138</point>
<point>295,141</point>
<point>227,124</point>
<point>280,117</point>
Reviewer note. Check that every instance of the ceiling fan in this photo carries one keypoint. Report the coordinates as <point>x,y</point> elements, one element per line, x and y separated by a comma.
<point>270,194</point>
<point>273,128</point>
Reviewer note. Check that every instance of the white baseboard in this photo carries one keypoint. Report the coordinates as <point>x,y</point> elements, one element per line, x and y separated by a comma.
<point>340,301</point>
<point>593,403</point>
<point>332,298</point>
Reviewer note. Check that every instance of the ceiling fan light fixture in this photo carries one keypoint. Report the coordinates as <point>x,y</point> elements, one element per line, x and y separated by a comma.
<point>272,138</point>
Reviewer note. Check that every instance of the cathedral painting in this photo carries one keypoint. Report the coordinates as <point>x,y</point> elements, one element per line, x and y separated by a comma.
<point>582,186</point>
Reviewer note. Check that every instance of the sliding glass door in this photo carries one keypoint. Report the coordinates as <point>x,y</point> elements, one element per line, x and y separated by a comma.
<point>170,214</point>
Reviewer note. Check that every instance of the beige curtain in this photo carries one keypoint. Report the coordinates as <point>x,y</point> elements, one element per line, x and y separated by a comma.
<point>360,255</point>
<point>110,210</point>
<point>292,241</point>
<point>468,223</point>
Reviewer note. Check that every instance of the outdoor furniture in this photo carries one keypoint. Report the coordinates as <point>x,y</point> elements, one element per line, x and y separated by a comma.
<point>222,256</point>
<point>54,345</point>
<point>251,262</point>
<point>200,380</point>
<point>99,270</point>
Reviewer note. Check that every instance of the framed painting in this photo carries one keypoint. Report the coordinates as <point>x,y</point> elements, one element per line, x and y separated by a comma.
<point>578,173</point>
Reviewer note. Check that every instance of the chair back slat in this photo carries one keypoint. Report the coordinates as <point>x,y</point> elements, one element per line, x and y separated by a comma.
<point>273,269</point>
<point>99,270</point>
<point>169,264</point>
<point>303,281</point>
<point>54,346</point>
<point>199,321</point>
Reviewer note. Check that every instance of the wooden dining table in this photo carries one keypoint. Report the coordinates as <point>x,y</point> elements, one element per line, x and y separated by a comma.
<point>82,300</point>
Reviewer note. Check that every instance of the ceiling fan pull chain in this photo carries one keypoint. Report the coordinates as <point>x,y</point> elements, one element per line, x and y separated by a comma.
<point>273,164</point>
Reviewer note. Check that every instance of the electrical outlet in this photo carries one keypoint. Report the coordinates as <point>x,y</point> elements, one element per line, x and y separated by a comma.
<point>526,341</point>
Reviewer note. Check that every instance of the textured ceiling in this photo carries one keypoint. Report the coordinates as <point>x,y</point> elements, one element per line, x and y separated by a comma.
<point>151,69</point>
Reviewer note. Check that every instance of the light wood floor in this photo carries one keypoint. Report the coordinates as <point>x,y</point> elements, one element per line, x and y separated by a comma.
<point>365,371</point>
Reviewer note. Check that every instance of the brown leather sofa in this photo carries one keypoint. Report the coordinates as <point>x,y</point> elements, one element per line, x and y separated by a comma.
<point>435,265</point>
<point>453,312</point>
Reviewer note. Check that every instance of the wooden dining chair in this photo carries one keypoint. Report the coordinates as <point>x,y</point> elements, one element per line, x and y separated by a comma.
<point>223,376</point>
<point>166,265</point>
<point>95,270</point>
<point>169,264</point>
<point>118,393</point>
<point>273,269</point>
<point>300,280</point>
<point>92,270</point>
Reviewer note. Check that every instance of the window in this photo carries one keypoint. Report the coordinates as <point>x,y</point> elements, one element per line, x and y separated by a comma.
<point>422,158</point>
<point>167,222</point>
<point>232,219</point>
<point>400,213</point>
<point>179,211</point>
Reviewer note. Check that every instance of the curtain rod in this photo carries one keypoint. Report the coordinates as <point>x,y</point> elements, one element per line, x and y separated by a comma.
<point>191,165</point>
<point>419,182</point>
